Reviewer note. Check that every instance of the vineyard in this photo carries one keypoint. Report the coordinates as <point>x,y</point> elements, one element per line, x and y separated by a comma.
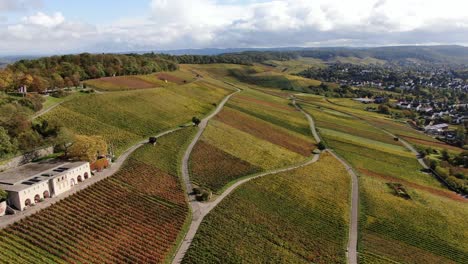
<point>237,144</point>
<point>295,217</point>
<point>123,118</point>
<point>213,168</point>
<point>122,83</point>
<point>429,227</point>
<point>133,217</point>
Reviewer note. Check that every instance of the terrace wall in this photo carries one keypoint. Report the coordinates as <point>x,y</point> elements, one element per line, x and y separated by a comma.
<point>26,158</point>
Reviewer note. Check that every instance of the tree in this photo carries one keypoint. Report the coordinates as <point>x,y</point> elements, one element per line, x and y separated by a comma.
<point>27,80</point>
<point>383,109</point>
<point>321,145</point>
<point>445,155</point>
<point>64,140</point>
<point>6,145</point>
<point>29,140</point>
<point>87,148</point>
<point>196,121</point>
<point>460,136</point>
<point>6,79</point>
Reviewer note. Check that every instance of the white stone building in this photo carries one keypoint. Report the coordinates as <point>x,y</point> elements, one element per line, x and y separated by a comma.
<point>32,183</point>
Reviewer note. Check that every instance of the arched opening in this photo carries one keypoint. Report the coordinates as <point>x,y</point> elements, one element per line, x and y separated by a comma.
<point>86,175</point>
<point>80,179</point>
<point>37,198</point>
<point>72,182</point>
<point>27,202</point>
<point>46,194</point>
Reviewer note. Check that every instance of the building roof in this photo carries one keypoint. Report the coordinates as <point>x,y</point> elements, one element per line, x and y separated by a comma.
<point>439,126</point>
<point>28,175</point>
<point>364,100</point>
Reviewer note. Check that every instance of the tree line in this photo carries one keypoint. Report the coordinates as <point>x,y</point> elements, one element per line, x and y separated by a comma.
<point>53,72</point>
<point>69,70</point>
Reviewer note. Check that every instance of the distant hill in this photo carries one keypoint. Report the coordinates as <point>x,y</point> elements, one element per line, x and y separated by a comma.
<point>424,54</point>
<point>4,61</point>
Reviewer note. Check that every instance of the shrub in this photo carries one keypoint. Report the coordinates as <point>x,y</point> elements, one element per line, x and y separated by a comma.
<point>321,145</point>
<point>444,173</point>
<point>196,121</point>
<point>3,195</point>
<point>60,94</point>
<point>202,195</point>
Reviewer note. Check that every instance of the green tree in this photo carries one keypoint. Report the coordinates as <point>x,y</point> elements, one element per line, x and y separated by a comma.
<point>445,155</point>
<point>64,141</point>
<point>6,144</point>
<point>384,109</point>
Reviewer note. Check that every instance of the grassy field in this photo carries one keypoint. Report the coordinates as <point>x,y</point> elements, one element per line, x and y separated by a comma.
<point>124,118</point>
<point>294,217</point>
<point>428,227</point>
<point>134,216</point>
<point>253,133</point>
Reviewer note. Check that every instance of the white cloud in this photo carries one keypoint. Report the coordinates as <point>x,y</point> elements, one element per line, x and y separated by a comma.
<point>41,19</point>
<point>173,24</point>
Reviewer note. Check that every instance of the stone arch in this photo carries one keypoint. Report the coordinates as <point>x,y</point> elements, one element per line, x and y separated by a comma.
<point>86,175</point>
<point>46,194</point>
<point>72,182</point>
<point>80,179</point>
<point>37,198</point>
<point>27,202</point>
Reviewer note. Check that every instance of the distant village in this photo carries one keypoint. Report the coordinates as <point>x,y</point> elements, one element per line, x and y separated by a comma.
<point>437,119</point>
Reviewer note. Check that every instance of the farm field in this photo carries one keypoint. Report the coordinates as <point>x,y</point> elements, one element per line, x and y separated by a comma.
<point>134,216</point>
<point>261,76</point>
<point>124,118</point>
<point>253,133</point>
<point>133,82</point>
<point>296,66</point>
<point>295,217</point>
<point>426,228</point>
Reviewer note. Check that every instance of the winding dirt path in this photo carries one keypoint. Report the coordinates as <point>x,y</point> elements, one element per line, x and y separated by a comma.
<point>354,208</point>
<point>200,210</point>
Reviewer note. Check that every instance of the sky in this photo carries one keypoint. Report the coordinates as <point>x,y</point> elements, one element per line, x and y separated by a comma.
<point>30,27</point>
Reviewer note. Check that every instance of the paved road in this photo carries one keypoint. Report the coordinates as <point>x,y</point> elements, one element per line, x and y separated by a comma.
<point>10,219</point>
<point>200,210</point>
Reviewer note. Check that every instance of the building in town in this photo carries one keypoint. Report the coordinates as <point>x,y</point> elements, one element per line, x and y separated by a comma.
<point>32,183</point>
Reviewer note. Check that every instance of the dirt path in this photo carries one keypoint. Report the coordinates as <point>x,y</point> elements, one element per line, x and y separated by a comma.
<point>311,121</point>
<point>200,210</point>
<point>354,216</point>
<point>45,111</point>
<point>354,208</point>
<point>10,219</point>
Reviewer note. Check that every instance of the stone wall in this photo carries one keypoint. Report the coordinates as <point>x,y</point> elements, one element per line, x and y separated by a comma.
<point>26,158</point>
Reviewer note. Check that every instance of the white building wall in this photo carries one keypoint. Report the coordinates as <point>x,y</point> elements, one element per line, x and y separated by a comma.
<point>55,186</point>
<point>68,179</point>
<point>60,184</point>
<point>30,193</point>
